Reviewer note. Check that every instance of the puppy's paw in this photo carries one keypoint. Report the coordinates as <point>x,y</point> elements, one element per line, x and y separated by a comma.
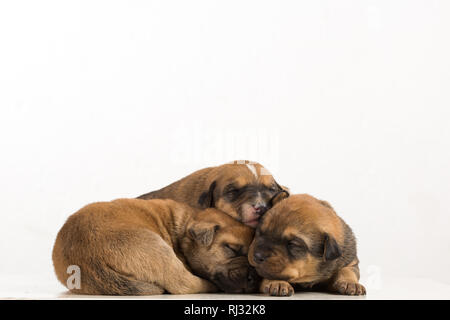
<point>349,288</point>
<point>277,288</point>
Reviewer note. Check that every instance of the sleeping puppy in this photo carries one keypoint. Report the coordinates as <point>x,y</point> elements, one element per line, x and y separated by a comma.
<point>243,189</point>
<point>138,247</point>
<point>302,241</point>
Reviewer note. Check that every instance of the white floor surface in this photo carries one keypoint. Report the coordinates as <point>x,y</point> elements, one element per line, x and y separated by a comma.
<point>16,287</point>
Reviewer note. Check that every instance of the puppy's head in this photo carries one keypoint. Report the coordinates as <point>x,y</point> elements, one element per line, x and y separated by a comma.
<point>216,248</point>
<point>245,190</point>
<point>299,240</point>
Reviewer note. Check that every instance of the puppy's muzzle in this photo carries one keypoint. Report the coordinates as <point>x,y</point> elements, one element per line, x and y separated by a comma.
<point>261,253</point>
<point>260,209</point>
<point>260,256</point>
<point>238,280</point>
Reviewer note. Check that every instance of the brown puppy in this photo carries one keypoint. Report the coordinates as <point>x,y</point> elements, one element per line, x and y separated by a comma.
<point>138,247</point>
<point>242,189</point>
<point>301,240</point>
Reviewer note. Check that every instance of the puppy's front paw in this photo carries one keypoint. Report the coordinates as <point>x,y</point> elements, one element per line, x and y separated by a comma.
<point>278,288</point>
<point>349,288</point>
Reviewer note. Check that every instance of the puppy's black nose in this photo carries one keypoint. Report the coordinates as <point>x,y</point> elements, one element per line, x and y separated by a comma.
<point>260,210</point>
<point>259,257</point>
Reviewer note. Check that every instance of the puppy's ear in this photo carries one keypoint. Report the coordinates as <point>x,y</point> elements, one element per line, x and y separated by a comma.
<point>326,204</point>
<point>285,189</point>
<point>203,232</point>
<point>283,193</point>
<point>331,249</point>
<point>206,199</point>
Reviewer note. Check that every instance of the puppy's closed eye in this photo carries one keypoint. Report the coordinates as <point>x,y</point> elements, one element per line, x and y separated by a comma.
<point>297,248</point>
<point>233,250</point>
<point>232,192</point>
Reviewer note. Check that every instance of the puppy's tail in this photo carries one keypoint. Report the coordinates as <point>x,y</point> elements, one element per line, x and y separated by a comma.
<point>103,279</point>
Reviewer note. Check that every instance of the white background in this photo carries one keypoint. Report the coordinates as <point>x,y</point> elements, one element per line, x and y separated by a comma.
<point>346,100</point>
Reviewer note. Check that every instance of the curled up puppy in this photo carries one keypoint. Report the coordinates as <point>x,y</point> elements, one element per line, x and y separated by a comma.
<point>140,247</point>
<point>242,189</point>
<point>301,241</point>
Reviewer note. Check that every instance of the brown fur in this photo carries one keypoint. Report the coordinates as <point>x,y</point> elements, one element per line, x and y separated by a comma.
<point>302,241</point>
<point>210,187</point>
<point>138,247</point>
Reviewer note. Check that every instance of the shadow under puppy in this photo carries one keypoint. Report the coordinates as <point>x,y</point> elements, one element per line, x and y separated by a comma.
<point>138,247</point>
<point>302,241</point>
<point>242,189</point>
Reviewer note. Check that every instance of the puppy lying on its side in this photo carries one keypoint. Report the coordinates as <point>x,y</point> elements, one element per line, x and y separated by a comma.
<point>302,241</point>
<point>242,189</point>
<point>138,247</point>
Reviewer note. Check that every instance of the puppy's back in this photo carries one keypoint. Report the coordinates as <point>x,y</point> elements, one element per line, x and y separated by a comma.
<point>186,190</point>
<point>111,242</point>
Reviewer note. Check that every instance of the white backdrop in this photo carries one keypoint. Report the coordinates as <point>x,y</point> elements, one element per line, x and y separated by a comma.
<point>345,100</point>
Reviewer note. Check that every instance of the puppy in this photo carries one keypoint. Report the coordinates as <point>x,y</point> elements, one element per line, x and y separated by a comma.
<point>138,247</point>
<point>301,240</point>
<point>242,189</point>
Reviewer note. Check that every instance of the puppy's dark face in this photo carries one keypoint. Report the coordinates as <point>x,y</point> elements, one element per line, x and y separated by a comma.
<point>216,248</point>
<point>243,190</point>
<point>297,241</point>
